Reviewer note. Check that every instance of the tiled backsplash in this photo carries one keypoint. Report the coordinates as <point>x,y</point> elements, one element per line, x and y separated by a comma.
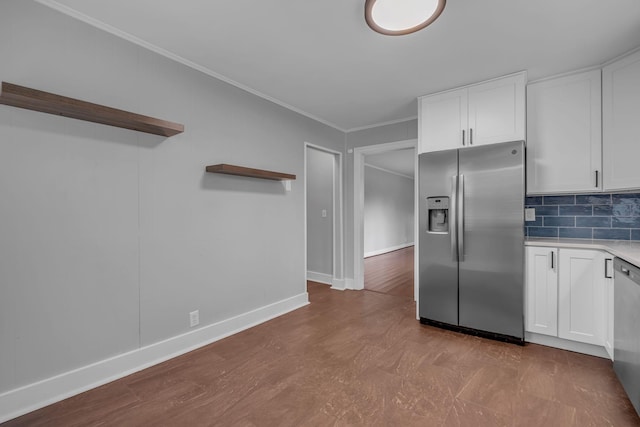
<point>585,216</point>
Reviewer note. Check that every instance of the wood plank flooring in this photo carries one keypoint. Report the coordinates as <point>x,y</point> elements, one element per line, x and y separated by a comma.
<point>390,273</point>
<point>355,358</point>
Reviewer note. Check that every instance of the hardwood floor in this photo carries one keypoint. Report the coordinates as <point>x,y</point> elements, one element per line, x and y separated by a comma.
<point>390,273</point>
<point>355,358</point>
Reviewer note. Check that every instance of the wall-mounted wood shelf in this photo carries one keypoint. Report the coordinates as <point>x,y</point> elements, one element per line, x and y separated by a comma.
<point>45,102</point>
<point>253,173</point>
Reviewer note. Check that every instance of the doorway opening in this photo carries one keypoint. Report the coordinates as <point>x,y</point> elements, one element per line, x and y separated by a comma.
<point>323,216</point>
<point>385,218</point>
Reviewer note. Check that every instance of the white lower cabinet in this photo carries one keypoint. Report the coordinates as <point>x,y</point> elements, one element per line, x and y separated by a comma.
<point>608,304</point>
<point>568,296</point>
<point>542,290</point>
<point>581,296</point>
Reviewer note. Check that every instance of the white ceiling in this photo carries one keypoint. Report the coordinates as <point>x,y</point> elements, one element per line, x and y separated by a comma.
<point>397,161</point>
<point>319,57</point>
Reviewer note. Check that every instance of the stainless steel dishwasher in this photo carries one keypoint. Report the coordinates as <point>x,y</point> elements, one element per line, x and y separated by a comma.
<point>626,343</point>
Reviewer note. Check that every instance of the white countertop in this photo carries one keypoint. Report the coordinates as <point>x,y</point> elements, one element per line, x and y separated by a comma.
<point>628,251</point>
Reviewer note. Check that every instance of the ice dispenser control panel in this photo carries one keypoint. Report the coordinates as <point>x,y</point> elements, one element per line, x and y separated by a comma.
<point>438,218</point>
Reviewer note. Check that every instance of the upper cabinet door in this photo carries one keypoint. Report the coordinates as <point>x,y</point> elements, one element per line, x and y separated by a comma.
<point>485,113</point>
<point>564,134</point>
<point>442,121</point>
<point>497,110</point>
<point>620,114</point>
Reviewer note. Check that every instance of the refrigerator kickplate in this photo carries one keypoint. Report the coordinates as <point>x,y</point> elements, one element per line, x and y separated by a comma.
<point>474,332</point>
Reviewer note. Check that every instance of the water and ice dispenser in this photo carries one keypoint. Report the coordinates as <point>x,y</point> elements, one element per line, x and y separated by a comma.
<point>438,218</point>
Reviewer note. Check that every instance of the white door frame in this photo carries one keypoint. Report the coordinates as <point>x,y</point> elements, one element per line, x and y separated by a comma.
<point>337,280</point>
<point>358,200</point>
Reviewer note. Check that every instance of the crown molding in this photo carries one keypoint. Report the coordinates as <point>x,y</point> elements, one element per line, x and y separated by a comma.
<point>168,54</point>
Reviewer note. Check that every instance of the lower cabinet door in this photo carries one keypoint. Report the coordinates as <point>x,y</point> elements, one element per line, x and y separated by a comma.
<point>608,304</point>
<point>581,296</point>
<point>541,314</point>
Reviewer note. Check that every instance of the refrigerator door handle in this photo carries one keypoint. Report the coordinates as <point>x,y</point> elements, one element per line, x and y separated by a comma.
<point>460,209</point>
<point>452,222</point>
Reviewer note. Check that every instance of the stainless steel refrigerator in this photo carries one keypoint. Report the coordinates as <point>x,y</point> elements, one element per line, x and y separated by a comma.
<point>471,240</point>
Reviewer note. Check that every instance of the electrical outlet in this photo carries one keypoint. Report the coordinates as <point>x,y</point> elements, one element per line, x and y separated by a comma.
<point>324,213</point>
<point>530,214</point>
<point>194,318</point>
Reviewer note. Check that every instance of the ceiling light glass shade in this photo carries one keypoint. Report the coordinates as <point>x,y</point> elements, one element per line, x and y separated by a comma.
<point>398,17</point>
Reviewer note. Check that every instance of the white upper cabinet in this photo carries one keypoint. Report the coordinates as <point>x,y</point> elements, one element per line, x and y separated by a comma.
<point>497,111</point>
<point>621,116</point>
<point>485,113</point>
<point>564,142</point>
<point>443,120</point>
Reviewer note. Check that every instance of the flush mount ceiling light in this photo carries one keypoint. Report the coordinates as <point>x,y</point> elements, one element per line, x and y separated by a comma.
<point>399,17</point>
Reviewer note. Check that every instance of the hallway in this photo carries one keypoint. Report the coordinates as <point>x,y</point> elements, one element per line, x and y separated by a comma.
<point>390,273</point>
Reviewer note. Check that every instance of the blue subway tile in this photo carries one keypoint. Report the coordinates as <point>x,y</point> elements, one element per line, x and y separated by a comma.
<point>559,200</point>
<point>612,233</point>
<point>559,221</point>
<point>582,210</point>
<point>598,216</point>
<point>547,210</point>
<point>625,222</point>
<point>602,210</point>
<point>593,199</point>
<point>626,208</point>
<point>536,223</point>
<point>575,233</point>
<point>617,197</point>
<point>593,221</point>
<point>533,200</point>
<point>543,232</point>
<point>626,204</point>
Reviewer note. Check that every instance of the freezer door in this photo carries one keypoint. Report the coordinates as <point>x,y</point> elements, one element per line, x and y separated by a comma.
<point>438,291</point>
<point>491,238</point>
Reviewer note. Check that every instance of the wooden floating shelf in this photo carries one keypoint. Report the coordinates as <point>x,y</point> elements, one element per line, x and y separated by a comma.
<point>45,102</point>
<point>253,173</point>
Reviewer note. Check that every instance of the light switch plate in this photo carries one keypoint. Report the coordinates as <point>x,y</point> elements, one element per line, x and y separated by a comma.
<point>530,214</point>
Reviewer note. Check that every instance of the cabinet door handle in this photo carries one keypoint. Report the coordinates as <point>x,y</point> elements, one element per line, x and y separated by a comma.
<point>552,260</point>
<point>606,268</point>
<point>470,136</point>
<point>463,143</point>
<point>597,179</point>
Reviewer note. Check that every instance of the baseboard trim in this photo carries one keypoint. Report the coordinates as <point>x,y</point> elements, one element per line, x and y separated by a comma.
<point>386,250</point>
<point>314,276</point>
<point>575,346</point>
<point>350,284</point>
<point>20,401</point>
<point>338,284</point>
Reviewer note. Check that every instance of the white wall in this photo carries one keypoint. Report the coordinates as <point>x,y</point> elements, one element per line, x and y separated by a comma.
<point>320,171</point>
<point>110,237</point>
<point>388,211</point>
